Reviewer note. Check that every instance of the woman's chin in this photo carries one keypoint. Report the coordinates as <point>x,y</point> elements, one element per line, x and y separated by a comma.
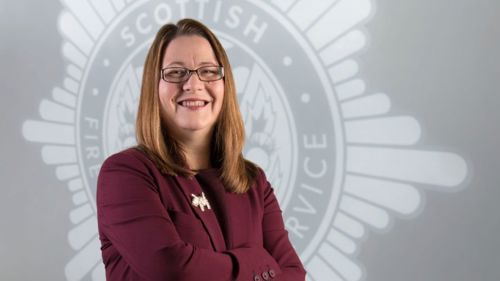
<point>195,128</point>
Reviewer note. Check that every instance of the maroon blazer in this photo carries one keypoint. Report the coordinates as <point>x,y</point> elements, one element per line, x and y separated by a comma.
<point>149,229</point>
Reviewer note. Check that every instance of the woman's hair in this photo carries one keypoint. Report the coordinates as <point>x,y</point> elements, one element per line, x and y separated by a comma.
<point>228,137</point>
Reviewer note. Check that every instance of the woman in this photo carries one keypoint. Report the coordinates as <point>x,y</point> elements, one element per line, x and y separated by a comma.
<point>184,204</point>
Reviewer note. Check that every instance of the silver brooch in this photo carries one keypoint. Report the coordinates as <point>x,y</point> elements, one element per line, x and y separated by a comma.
<point>200,201</point>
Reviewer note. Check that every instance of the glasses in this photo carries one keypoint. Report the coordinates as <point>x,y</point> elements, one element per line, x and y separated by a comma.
<point>182,74</point>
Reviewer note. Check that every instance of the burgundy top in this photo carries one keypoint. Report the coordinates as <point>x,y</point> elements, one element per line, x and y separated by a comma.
<point>150,230</point>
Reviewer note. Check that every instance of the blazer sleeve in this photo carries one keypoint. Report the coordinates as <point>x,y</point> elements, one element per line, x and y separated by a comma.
<point>276,239</point>
<point>132,216</point>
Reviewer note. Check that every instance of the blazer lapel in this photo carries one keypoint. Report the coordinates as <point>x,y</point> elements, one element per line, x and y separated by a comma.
<point>207,217</point>
<point>220,199</point>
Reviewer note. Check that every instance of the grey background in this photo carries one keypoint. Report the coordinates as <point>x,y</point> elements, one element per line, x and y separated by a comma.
<point>438,61</point>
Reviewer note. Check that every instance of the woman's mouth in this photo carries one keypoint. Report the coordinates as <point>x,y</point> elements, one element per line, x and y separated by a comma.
<point>193,104</point>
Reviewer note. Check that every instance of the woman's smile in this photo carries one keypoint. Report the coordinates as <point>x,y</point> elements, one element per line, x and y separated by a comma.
<point>193,104</point>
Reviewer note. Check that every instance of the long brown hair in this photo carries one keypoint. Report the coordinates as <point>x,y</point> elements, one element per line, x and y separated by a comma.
<point>228,137</point>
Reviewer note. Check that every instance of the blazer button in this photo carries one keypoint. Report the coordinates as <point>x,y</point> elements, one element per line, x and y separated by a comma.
<point>265,275</point>
<point>272,273</point>
<point>256,278</point>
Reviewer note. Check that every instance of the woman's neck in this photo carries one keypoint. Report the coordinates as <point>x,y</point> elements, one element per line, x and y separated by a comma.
<point>197,151</point>
<point>197,156</point>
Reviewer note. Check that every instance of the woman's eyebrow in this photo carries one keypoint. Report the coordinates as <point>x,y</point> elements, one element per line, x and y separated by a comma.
<point>179,63</point>
<point>208,63</point>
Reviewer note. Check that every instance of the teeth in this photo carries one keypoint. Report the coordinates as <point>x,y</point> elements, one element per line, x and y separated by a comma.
<point>193,103</point>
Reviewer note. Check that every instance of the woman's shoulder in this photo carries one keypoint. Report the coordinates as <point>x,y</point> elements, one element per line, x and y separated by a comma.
<point>132,157</point>
<point>260,181</point>
<point>261,187</point>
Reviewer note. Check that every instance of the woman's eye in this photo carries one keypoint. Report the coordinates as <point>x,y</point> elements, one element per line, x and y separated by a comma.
<point>208,71</point>
<point>176,72</point>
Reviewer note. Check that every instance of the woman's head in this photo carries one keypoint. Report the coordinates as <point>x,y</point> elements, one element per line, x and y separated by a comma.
<point>167,109</point>
<point>191,90</point>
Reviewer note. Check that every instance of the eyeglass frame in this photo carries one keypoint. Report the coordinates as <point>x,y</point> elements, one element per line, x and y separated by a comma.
<point>191,71</point>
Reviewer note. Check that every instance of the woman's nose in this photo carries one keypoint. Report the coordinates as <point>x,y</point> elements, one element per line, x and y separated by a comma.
<point>193,83</point>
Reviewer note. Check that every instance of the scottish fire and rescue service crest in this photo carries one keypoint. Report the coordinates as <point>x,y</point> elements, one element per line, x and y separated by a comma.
<point>339,161</point>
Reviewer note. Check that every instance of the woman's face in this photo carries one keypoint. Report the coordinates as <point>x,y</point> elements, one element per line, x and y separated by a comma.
<point>191,106</point>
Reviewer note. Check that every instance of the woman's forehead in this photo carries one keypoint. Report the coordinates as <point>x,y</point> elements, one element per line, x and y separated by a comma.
<point>185,50</point>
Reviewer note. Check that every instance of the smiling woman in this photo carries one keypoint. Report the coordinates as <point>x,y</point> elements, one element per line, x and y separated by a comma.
<point>184,204</point>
